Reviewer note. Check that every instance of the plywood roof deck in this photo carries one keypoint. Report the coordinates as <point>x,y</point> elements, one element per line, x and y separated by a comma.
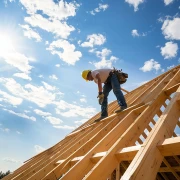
<point>140,143</point>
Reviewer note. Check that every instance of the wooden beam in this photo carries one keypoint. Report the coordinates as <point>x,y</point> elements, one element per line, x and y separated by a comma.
<point>149,155</point>
<point>124,90</point>
<point>170,147</point>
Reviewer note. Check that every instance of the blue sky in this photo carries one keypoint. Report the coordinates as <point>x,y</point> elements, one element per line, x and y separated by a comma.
<point>44,47</point>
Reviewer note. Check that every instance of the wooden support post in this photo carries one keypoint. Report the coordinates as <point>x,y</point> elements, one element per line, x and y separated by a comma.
<point>149,155</point>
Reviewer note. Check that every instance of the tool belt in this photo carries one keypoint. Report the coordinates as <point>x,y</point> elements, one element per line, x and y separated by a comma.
<point>122,77</point>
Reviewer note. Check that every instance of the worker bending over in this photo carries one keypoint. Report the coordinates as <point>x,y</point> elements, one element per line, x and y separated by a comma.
<point>110,80</point>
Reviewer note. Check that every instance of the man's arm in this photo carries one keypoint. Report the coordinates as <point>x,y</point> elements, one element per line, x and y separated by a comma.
<point>99,83</point>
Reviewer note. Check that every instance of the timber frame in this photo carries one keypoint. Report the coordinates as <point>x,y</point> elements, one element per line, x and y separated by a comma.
<point>139,143</point>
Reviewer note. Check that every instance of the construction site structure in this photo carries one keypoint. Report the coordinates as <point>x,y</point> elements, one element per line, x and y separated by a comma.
<point>139,143</point>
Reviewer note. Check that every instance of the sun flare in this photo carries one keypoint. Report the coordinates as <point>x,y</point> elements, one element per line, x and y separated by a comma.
<point>6,45</point>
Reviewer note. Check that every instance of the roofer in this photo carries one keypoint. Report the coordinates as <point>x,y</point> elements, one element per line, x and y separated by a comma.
<point>110,79</point>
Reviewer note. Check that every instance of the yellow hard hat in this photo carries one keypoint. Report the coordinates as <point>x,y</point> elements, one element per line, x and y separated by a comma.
<point>85,73</point>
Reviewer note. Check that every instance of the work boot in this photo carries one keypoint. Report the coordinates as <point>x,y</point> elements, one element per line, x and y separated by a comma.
<point>121,109</point>
<point>99,119</point>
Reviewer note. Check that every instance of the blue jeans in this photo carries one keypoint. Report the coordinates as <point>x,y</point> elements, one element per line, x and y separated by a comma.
<point>114,84</point>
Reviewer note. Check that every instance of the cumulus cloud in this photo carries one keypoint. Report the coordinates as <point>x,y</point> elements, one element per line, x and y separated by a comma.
<point>21,115</point>
<point>150,65</point>
<point>169,50</point>
<point>23,76</point>
<point>65,51</point>
<point>170,29</point>
<point>42,113</point>
<point>64,127</point>
<point>53,120</point>
<point>30,33</point>
<point>53,76</point>
<point>12,57</point>
<point>61,10</point>
<point>101,7</point>
<point>53,15</point>
<point>170,67</point>
<point>135,3</point>
<point>167,2</point>
<point>70,110</point>
<point>83,100</point>
<point>38,149</point>
<point>135,33</point>
<point>94,39</point>
<point>36,94</point>
<point>47,116</point>
<point>60,29</point>
<point>48,86</point>
<point>105,62</point>
<point>10,99</point>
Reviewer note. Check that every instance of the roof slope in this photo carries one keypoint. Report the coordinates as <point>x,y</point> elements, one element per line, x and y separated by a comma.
<point>138,143</point>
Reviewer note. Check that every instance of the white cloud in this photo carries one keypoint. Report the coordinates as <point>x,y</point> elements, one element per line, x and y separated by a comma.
<point>81,121</point>
<point>105,52</point>
<point>18,132</point>
<point>94,39</point>
<point>53,76</point>
<point>135,3</point>
<point>104,63</point>
<point>11,160</point>
<point>36,94</point>
<point>170,67</point>
<point>48,87</point>
<point>83,100</point>
<point>167,2</point>
<point>134,33</point>
<point>12,57</point>
<point>60,11</point>
<point>102,7</point>
<point>64,127</point>
<point>53,120</point>
<point>150,65</point>
<point>10,99</point>
<point>71,110</point>
<point>68,54</point>
<point>5,130</point>
<point>42,113</point>
<point>58,65</point>
<point>170,29</point>
<point>38,149</point>
<point>54,26</point>
<point>169,50</point>
<point>21,115</point>
<point>23,76</point>
<point>41,76</point>
<point>30,33</point>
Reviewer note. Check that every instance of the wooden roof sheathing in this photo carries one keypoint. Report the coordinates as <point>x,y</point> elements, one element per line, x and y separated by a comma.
<point>140,143</point>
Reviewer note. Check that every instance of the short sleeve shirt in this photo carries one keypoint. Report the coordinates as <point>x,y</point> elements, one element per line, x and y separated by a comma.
<point>103,73</point>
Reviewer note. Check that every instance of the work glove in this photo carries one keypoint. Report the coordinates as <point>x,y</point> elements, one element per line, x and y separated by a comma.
<point>100,98</point>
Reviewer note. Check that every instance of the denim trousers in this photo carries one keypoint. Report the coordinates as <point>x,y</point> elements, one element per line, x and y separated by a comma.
<point>114,84</point>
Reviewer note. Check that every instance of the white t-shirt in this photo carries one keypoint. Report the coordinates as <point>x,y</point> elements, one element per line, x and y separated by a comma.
<point>103,73</point>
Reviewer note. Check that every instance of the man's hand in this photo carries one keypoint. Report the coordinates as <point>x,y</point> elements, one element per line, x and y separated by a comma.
<point>100,98</point>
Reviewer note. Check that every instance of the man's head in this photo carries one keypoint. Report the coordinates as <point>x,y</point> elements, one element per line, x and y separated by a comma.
<point>86,74</point>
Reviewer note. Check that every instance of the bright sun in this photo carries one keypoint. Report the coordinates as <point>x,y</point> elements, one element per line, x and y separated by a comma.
<point>6,45</point>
